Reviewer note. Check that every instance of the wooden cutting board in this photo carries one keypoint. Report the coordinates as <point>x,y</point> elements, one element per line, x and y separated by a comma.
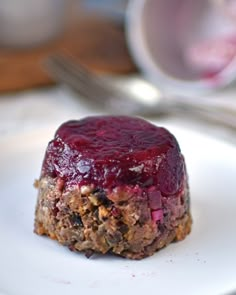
<point>96,43</point>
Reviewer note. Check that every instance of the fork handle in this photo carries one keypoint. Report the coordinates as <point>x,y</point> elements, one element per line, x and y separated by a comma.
<point>221,116</point>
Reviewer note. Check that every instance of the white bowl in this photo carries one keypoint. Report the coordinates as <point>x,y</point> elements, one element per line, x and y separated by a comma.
<point>158,33</point>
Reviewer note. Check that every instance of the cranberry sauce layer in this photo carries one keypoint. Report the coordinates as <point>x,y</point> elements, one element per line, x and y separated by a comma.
<point>110,151</point>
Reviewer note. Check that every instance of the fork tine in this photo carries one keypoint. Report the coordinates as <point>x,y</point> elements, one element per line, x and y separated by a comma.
<point>58,65</point>
<point>68,79</point>
<point>86,80</point>
<point>78,70</point>
<point>89,86</point>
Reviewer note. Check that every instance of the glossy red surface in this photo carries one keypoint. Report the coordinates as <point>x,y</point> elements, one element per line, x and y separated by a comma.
<point>111,151</point>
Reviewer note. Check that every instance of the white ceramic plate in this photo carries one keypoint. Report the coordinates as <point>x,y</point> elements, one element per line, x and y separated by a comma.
<point>204,263</point>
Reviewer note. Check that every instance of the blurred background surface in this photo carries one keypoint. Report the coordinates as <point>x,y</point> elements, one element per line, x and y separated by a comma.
<point>93,33</point>
<point>90,31</point>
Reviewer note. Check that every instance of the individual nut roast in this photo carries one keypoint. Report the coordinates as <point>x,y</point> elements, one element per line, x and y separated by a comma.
<point>113,184</point>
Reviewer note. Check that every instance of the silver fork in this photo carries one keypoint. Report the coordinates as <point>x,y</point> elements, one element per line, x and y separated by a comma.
<point>96,92</point>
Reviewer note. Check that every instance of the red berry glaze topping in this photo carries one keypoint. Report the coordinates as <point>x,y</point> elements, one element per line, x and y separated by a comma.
<point>111,151</point>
